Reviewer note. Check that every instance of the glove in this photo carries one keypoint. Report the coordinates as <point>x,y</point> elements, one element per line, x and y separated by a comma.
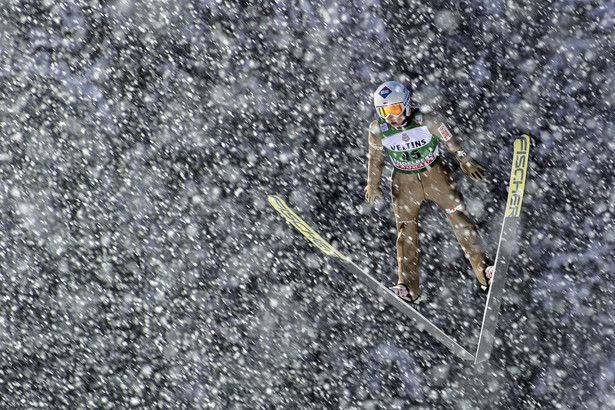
<point>469,166</point>
<point>372,192</point>
<point>472,168</point>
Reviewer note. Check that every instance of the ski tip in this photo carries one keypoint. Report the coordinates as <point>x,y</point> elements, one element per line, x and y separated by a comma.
<point>296,221</point>
<point>274,199</point>
<point>522,142</point>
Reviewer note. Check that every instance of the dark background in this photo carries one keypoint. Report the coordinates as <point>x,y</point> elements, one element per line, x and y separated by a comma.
<point>142,266</point>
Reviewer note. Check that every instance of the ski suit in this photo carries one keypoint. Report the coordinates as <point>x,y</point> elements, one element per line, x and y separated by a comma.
<point>418,175</point>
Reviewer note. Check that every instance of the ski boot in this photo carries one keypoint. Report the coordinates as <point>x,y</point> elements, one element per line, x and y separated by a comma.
<point>402,292</point>
<point>488,275</point>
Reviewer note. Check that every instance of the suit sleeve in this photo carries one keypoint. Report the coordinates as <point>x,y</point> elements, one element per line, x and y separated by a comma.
<point>375,164</point>
<point>444,134</point>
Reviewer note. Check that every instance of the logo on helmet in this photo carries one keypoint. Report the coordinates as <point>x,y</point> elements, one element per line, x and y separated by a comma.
<point>384,92</point>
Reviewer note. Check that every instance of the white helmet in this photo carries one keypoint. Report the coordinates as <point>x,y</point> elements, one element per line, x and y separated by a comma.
<point>392,98</point>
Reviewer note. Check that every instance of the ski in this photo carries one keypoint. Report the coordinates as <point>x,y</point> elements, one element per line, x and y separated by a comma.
<point>422,323</point>
<point>505,248</point>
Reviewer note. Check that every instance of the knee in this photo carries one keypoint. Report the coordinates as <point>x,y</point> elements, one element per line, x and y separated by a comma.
<point>402,227</point>
<point>406,231</point>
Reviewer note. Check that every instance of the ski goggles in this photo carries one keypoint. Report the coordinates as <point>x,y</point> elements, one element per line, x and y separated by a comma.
<point>394,110</point>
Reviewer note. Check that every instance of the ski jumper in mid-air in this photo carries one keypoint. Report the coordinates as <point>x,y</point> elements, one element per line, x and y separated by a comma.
<point>411,139</point>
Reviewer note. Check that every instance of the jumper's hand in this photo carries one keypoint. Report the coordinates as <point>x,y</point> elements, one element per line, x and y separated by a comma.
<point>472,168</point>
<point>372,192</point>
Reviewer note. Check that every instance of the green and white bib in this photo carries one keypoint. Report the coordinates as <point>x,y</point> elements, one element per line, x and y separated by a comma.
<point>412,149</point>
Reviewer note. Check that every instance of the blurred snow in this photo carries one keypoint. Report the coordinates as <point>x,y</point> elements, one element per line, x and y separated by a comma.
<point>142,266</point>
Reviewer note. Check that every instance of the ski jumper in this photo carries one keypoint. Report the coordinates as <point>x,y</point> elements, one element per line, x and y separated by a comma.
<point>418,175</point>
